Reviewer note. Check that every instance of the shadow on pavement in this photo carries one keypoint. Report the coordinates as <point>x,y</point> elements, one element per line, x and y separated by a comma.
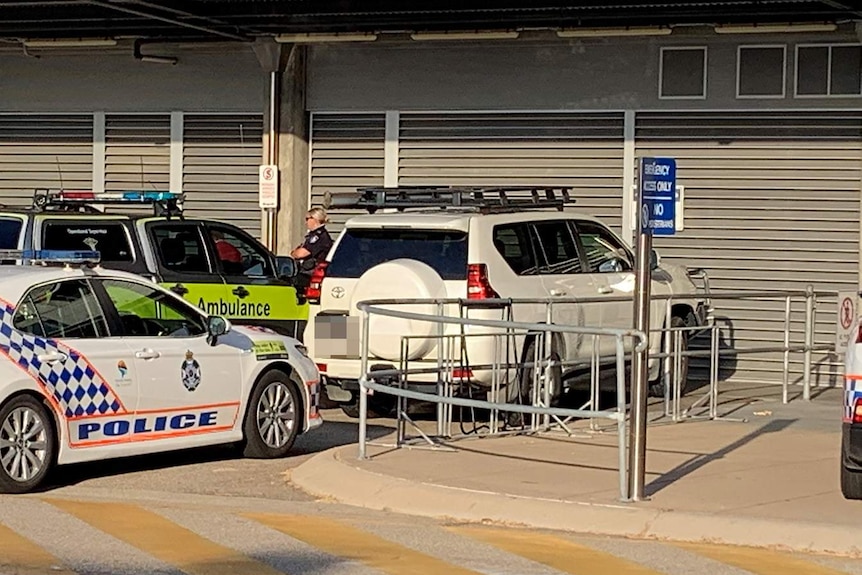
<point>332,434</point>
<point>701,460</point>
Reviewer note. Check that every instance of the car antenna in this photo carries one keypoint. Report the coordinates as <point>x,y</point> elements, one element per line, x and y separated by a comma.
<point>59,171</point>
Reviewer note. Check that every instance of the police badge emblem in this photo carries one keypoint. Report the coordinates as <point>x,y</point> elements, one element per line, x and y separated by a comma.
<point>191,372</point>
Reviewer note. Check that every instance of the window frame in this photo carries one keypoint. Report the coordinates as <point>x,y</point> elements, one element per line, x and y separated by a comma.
<point>783,94</point>
<point>71,222</point>
<point>543,265</point>
<point>829,46</point>
<point>248,238</point>
<point>587,264</point>
<point>532,239</point>
<point>113,317</point>
<point>106,319</point>
<point>152,226</point>
<point>662,51</point>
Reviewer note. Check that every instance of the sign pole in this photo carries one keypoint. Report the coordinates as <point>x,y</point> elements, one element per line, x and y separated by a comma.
<point>656,207</point>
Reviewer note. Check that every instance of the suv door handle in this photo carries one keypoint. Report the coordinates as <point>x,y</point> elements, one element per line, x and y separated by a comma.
<point>147,353</point>
<point>240,292</point>
<point>605,289</point>
<point>180,289</point>
<point>52,357</point>
<point>558,292</point>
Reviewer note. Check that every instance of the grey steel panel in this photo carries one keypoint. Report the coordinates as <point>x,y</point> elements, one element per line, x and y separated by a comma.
<point>221,155</point>
<point>771,202</point>
<point>137,152</point>
<point>581,150</point>
<point>347,152</point>
<point>44,151</point>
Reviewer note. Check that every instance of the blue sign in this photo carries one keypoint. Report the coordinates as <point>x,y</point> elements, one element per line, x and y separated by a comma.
<point>658,196</point>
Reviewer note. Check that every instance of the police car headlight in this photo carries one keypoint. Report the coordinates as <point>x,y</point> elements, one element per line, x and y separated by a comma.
<point>302,349</point>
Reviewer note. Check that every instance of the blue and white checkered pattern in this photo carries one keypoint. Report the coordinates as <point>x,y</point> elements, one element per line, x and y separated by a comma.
<point>852,391</point>
<point>75,384</point>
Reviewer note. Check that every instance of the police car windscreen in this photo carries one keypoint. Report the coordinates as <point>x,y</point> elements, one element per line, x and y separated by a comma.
<point>108,238</point>
<point>360,250</point>
<point>10,232</point>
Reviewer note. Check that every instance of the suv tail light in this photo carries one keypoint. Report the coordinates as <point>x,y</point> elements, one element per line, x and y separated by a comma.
<point>312,292</point>
<point>857,410</point>
<point>478,286</point>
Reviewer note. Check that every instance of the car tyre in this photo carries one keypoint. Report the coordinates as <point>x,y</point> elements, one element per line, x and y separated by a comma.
<point>273,418</point>
<point>851,481</point>
<point>657,388</point>
<point>522,394</point>
<point>377,406</point>
<point>28,444</point>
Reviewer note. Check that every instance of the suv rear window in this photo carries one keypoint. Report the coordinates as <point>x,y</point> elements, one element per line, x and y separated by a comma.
<point>108,238</point>
<point>361,250</point>
<point>10,232</point>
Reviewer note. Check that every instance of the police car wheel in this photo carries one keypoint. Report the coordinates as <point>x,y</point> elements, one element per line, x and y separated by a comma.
<point>274,417</point>
<point>27,444</point>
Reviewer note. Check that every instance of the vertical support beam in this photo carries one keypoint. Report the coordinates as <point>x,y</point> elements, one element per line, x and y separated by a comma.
<point>176,168</point>
<point>628,176</point>
<point>390,149</point>
<point>269,227</point>
<point>293,150</point>
<point>99,151</point>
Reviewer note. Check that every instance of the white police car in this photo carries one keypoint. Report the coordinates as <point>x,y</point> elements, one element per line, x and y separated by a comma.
<point>96,364</point>
<point>851,427</point>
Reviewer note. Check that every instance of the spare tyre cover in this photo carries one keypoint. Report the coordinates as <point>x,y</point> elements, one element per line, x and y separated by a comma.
<point>400,279</point>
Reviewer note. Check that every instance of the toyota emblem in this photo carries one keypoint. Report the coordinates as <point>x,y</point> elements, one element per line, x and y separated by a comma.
<point>337,292</point>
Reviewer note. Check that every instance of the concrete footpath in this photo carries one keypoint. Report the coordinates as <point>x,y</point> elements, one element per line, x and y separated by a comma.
<point>769,481</point>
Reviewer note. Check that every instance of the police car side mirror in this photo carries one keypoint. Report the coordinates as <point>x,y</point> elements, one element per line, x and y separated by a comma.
<point>216,326</point>
<point>286,267</point>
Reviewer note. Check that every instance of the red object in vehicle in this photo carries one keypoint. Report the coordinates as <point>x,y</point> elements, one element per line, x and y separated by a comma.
<point>321,367</point>
<point>478,286</point>
<point>462,373</point>
<point>312,292</point>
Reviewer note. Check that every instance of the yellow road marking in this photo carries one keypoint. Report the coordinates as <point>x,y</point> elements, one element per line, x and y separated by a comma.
<point>342,540</point>
<point>759,561</point>
<point>555,552</point>
<point>163,539</point>
<point>20,556</point>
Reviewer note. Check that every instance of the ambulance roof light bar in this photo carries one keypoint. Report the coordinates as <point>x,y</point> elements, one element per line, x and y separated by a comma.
<point>52,256</point>
<point>169,202</point>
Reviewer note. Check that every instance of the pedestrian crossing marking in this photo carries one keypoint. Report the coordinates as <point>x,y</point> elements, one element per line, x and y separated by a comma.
<point>163,539</point>
<point>25,557</point>
<point>759,561</point>
<point>555,552</point>
<point>348,542</point>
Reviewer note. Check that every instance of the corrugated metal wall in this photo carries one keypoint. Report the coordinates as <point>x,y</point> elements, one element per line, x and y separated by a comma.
<point>771,202</point>
<point>347,152</point>
<point>44,151</point>
<point>580,150</point>
<point>221,155</point>
<point>137,152</point>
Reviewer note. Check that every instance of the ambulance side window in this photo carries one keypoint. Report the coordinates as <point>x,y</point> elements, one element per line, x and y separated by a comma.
<point>66,309</point>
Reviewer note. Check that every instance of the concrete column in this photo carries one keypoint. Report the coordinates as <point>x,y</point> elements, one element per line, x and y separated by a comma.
<point>293,150</point>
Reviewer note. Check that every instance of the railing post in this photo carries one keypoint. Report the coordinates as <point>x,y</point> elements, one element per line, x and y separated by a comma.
<point>714,365</point>
<point>666,364</point>
<point>363,397</point>
<point>809,342</point>
<point>441,408</point>
<point>621,421</point>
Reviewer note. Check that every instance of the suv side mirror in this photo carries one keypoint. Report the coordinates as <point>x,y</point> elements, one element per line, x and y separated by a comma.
<point>216,326</point>
<point>286,267</point>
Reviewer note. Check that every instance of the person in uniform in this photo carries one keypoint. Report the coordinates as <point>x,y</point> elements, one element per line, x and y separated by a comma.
<point>317,242</point>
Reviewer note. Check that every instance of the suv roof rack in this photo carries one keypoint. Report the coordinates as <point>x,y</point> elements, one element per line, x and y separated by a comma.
<point>164,203</point>
<point>485,199</point>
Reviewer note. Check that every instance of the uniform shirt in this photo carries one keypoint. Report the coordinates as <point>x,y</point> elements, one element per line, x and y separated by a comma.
<point>318,242</point>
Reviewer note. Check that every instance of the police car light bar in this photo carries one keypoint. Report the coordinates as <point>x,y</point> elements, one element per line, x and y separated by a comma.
<point>53,256</point>
<point>141,197</point>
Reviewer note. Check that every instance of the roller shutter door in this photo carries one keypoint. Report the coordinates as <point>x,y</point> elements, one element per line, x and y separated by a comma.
<point>137,152</point>
<point>221,155</point>
<point>44,151</point>
<point>771,202</point>
<point>347,152</point>
<point>581,150</point>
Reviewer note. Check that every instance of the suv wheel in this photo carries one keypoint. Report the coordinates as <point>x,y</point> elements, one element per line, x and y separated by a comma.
<point>379,405</point>
<point>657,388</point>
<point>522,392</point>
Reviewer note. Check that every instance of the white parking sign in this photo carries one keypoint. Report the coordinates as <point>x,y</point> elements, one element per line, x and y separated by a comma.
<point>268,186</point>
<point>847,306</point>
